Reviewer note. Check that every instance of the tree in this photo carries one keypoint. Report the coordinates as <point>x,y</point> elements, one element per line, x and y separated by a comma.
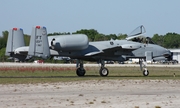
<point>169,40</point>
<point>2,54</point>
<point>99,37</point>
<point>90,33</point>
<point>3,39</point>
<point>5,34</point>
<point>172,40</point>
<point>111,36</point>
<point>27,39</point>
<point>58,33</point>
<point>159,39</point>
<point>121,36</point>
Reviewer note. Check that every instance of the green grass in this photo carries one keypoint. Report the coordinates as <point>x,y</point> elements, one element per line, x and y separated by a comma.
<point>52,74</point>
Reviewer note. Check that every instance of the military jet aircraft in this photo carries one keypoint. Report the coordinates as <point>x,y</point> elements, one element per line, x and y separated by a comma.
<point>77,46</point>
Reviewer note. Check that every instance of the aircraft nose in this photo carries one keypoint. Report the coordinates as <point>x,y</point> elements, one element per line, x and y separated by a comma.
<point>168,54</point>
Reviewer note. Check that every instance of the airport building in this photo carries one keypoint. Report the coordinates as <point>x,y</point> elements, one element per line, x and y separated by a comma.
<point>176,54</point>
<point>176,57</point>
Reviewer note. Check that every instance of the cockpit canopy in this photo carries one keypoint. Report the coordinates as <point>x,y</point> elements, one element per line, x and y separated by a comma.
<point>142,39</point>
<point>139,31</point>
<point>137,35</point>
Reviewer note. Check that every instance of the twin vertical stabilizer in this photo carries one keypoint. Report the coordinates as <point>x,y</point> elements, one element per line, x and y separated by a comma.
<point>15,40</point>
<point>39,45</point>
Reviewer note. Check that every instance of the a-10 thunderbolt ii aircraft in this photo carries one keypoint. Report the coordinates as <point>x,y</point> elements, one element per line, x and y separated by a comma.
<point>77,46</point>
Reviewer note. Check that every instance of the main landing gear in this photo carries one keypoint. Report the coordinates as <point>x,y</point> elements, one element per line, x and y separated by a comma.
<point>143,65</point>
<point>103,70</point>
<point>80,68</point>
<point>80,71</point>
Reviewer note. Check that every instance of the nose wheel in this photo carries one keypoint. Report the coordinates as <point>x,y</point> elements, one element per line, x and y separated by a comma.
<point>145,72</point>
<point>143,65</point>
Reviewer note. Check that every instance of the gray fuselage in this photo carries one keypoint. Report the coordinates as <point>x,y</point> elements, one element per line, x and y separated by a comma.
<point>115,52</point>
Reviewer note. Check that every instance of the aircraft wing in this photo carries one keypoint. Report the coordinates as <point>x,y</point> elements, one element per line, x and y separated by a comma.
<point>94,53</point>
<point>128,47</point>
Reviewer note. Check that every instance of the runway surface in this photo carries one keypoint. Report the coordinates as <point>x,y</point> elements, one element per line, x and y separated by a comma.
<point>8,64</point>
<point>93,94</point>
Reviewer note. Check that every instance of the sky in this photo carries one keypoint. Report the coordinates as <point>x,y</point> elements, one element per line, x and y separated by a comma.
<point>105,16</point>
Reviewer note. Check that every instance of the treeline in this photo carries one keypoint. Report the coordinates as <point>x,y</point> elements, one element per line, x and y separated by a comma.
<point>169,40</point>
<point>93,35</point>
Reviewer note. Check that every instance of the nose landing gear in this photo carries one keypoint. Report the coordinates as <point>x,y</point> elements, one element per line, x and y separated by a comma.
<point>143,65</point>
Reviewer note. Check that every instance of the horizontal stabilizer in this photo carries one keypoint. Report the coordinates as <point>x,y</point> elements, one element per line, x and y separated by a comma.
<point>22,50</point>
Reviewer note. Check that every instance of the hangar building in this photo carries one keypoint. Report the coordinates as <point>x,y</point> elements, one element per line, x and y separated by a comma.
<point>176,54</point>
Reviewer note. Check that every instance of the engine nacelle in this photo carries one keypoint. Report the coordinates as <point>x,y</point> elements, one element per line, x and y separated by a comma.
<point>71,42</point>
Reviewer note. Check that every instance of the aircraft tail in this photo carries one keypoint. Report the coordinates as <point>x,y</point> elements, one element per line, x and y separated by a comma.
<point>39,45</point>
<point>15,40</point>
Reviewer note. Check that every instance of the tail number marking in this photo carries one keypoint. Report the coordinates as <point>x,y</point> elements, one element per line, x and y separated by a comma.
<point>38,40</point>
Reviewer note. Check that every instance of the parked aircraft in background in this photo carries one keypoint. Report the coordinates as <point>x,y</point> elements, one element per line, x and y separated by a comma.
<point>77,46</point>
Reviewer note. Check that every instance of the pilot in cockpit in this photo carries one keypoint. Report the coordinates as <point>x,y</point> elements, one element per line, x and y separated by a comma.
<point>140,40</point>
<point>137,39</point>
<point>134,39</point>
<point>147,40</point>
